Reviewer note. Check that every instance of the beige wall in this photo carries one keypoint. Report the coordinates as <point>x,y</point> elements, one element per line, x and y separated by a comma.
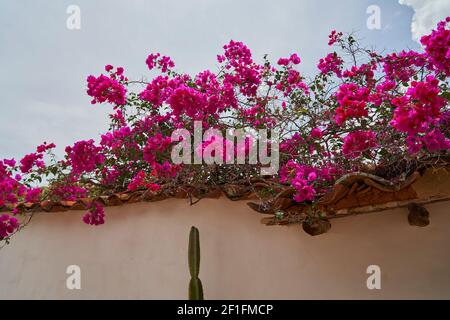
<point>141,253</point>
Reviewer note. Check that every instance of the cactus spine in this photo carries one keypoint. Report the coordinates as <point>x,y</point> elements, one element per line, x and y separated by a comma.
<point>195,285</point>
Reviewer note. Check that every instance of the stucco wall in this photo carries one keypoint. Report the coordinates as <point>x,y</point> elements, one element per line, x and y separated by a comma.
<point>141,253</point>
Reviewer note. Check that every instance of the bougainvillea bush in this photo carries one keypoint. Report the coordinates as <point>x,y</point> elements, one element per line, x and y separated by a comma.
<point>362,112</point>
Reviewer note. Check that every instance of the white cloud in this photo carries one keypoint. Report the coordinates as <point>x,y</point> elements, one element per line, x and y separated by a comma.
<point>427,13</point>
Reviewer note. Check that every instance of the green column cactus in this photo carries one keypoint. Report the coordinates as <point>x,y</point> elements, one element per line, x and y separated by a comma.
<point>195,285</point>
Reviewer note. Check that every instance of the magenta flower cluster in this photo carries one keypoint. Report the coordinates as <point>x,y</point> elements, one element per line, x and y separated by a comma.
<point>352,101</point>
<point>358,142</point>
<point>437,47</point>
<point>8,225</point>
<point>358,112</point>
<point>332,63</point>
<point>143,181</point>
<point>95,215</point>
<point>155,60</point>
<point>418,113</point>
<point>106,89</point>
<point>84,156</point>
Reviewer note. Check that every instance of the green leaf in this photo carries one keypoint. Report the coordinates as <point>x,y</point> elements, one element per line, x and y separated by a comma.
<point>446,95</point>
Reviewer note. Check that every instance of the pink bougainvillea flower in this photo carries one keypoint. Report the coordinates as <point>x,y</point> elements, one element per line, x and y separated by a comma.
<point>357,142</point>
<point>437,47</point>
<point>294,59</point>
<point>31,160</point>
<point>96,215</point>
<point>45,147</point>
<point>106,89</point>
<point>332,63</point>
<point>334,37</point>
<point>8,225</point>
<point>84,156</point>
<point>164,63</point>
<point>359,110</point>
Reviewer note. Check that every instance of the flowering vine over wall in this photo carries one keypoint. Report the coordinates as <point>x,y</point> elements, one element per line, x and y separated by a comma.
<point>362,112</point>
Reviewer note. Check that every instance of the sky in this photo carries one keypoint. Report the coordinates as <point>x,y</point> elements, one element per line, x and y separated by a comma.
<point>44,64</point>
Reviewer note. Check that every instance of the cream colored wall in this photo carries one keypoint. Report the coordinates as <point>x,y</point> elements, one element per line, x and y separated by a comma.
<point>141,252</point>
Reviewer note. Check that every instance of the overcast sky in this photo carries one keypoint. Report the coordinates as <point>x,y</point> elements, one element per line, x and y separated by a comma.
<point>44,65</point>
